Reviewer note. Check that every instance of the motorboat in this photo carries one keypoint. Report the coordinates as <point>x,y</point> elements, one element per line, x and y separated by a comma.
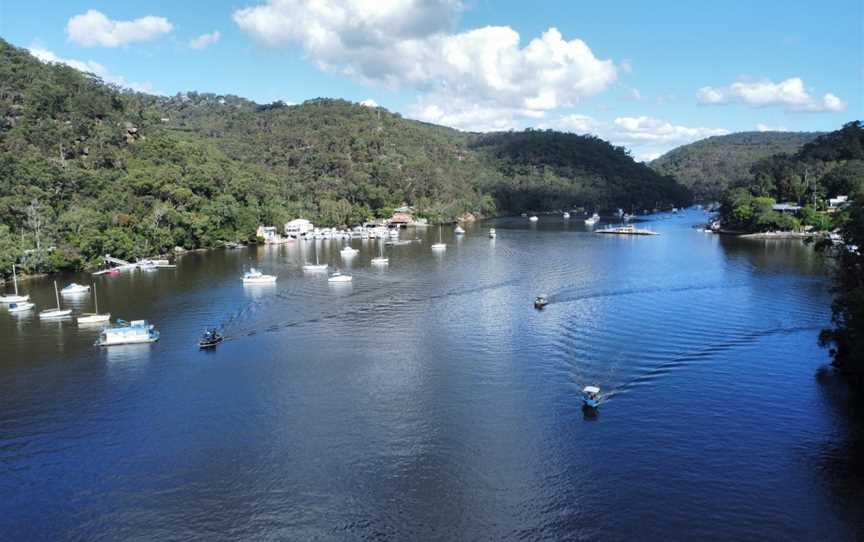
<point>593,219</point>
<point>94,317</point>
<point>21,306</point>
<point>75,289</point>
<point>134,332</point>
<point>57,312</point>
<point>591,397</point>
<point>14,298</point>
<point>439,245</point>
<point>338,277</point>
<point>348,252</point>
<point>492,233</point>
<point>210,338</point>
<point>627,230</point>
<point>459,230</point>
<point>540,301</point>
<point>566,215</point>
<point>533,218</point>
<point>253,276</point>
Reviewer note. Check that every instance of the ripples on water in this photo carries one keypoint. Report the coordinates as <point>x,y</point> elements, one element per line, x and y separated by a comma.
<point>428,399</point>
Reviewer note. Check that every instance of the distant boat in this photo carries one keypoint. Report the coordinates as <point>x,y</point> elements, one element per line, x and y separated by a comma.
<point>94,318</point>
<point>58,312</point>
<point>627,230</point>
<point>381,260</point>
<point>316,266</point>
<point>14,298</point>
<point>566,215</point>
<point>75,289</point>
<point>253,276</point>
<point>134,332</point>
<point>591,397</point>
<point>492,233</point>
<point>210,339</point>
<point>348,251</point>
<point>458,230</point>
<point>21,306</point>
<point>339,277</point>
<point>593,219</point>
<point>533,218</point>
<point>439,245</point>
<point>540,301</point>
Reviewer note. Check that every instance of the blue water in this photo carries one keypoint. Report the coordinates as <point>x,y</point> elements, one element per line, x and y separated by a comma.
<point>429,400</point>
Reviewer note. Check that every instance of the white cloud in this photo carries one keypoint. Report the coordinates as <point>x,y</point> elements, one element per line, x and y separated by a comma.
<point>204,40</point>
<point>765,128</point>
<point>399,43</point>
<point>790,94</point>
<point>369,102</point>
<point>95,28</point>
<point>89,66</point>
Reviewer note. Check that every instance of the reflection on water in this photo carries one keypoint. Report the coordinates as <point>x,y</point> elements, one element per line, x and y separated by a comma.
<point>428,399</point>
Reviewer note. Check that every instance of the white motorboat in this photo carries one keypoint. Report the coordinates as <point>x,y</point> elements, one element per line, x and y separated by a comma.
<point>94,317</point>
<point>627,230</point>
<point>492,233</point>
<point>134,332</point>
<point>15,298</point>
<point>253,276</point>
<point>591,397</point>
<point>348,252</point>
<point>21,306</point>
<point>459,230</point>
<point>381,259</point>
<point>593,219</point>
<point>339,277</point>
<point>58,312</point>
<point>75,289</point>
<point>566,215</point>
<point>439,245</point>
<point>533,218</point>
<point>317,266</point>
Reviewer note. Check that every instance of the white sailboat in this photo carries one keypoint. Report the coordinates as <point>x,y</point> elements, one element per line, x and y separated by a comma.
<point>95,317</point>
<point>459,230</point>
<point>316,266</point>
<point>439,245</point>
<point>533,218</point>
<point>339,277</point>
<point>381,260</point>
<point>14,298</point>
<point>58,312</point>
<point>492,233</point>
<point>21,306</point>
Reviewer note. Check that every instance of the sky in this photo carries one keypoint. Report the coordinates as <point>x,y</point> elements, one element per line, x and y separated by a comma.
<point>646,75</point>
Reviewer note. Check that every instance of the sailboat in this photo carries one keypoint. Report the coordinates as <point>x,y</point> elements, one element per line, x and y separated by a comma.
<point>14,298</point>
<point>439,245</point>
<point>381,260</point>
<point>58,312</point>
<point>316,266</point>
<point>95,317</point>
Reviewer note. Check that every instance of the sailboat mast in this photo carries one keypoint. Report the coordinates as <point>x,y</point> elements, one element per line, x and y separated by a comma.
<point>95,299</point>
<point>14,279</point>
<point>56,295</point>
<point>316,254</point>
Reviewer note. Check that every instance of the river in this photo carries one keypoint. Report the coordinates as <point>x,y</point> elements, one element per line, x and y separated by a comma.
<point>430,400</point>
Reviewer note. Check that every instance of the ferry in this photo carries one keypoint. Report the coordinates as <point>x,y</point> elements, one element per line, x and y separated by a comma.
<point>134,332</point>
<point>627,230</point>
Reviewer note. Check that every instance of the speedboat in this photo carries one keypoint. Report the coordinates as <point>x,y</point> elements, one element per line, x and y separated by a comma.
<point>339,277</point>
<point>533,218</point>
<point>253,276</point>
<point>14,298</point>
<point>55,313</point>
<point>540,301</point>
<point>210,338</point>
<point>21,306</point>
<point>492,233</point>
<point>134,332</point>
<point>74,289</point>
<point>591,397</point>
<point>458,230</point>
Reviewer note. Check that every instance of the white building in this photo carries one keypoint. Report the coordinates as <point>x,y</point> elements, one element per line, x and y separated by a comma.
<point>269,234</point>
<point>298,227</point>
<point>839,201</point>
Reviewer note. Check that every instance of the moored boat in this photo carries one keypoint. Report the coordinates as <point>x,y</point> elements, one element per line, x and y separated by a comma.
<point>338,277</point>
<point>21,306</point>
<point>14,298</point>
<point>75,289</point>
<point>253,276</point>
<point>627,230</point>
<point>439,245</point>
<point>459,230</point>
<point>95,317</point>
<point>57,312</point>
<point>533,218</point>
<point>134,332</point>
<point>593,219</point>
<point>492,233</point>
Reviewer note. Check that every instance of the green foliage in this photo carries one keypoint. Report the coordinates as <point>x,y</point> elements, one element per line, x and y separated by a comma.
<point>710,166</point>
<point>87,169</point>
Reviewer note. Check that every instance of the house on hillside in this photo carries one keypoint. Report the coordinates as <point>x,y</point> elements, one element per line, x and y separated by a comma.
<point>837,203</point>
<point>400,219</point>
<point>269,234</point>
<point>787,208</point>
<point>298,227</point>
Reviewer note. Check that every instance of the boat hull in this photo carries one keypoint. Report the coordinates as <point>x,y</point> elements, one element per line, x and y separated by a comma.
<point>14,298</point>
<point>54,314</point>
<point>22,307</point>
<point>94,318</point>
<point>260,280</point>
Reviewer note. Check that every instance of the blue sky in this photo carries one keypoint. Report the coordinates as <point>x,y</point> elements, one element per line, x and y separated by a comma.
<point>646,75</point>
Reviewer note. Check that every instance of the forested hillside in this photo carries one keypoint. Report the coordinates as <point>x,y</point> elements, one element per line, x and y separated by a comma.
<point>711,165</point>
<point>87,168</point>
